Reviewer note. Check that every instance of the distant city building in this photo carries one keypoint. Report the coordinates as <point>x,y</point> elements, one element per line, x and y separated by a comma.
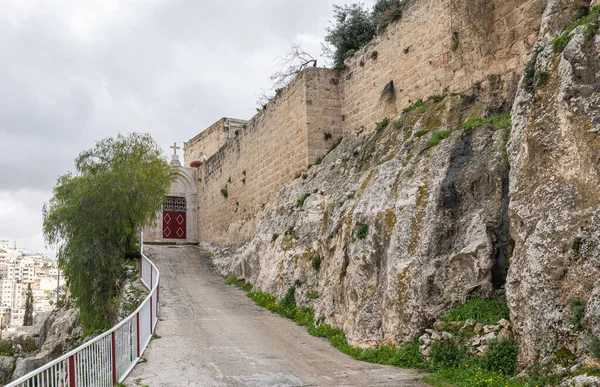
<point>18,269</point>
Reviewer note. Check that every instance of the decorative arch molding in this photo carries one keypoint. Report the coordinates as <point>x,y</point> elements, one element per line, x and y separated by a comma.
<point>185,177</point>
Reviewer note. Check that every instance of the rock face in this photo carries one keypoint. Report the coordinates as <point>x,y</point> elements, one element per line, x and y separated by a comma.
<point>554,154</point>
<point>59,332</point>
<point>389,230</point>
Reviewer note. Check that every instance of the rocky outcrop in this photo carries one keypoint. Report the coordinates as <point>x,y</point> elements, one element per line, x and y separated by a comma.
<point>61,333</point>
<point>554,153</point>
<point>392,229</point>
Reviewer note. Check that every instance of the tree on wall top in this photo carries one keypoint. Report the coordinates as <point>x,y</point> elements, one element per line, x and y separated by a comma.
<point>95,215</point>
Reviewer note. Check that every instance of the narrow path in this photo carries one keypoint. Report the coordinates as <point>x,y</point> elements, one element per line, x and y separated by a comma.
<point>213,335</point>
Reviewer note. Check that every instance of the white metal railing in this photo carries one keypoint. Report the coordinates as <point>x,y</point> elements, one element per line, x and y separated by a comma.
<point>107,359</point>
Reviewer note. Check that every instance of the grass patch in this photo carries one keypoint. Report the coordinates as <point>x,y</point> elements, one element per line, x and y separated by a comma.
<point>414,106</point>
<point>302,199</point>
<point>498,121</point>
<point>591,19</point>
<point>484,310</point>
<point>420,133</point>
<point>232,280</point>
<point>437,137</point>
<point>312,294</point>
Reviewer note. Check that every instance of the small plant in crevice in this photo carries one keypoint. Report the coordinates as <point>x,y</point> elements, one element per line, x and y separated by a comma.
<point>319,160</point>
<point>311,294</point>
<point>362,231</point>
<point>435,98</point>
<point>379,126</point>
<point>374,55</point>
<point>237,133</point>
<point>243,180</point>
<point>300,201</point>
<point>540,79</point>
<point>275,236</point>
<point>455,41</point>
<point>577,311</point>
<point>326,136</point>
<point>240,284</point>
<point>595,348</point>
<point>315,262</point>
<point>398,124</point>
<point>224,192</point>
<point>244,172</point>
<point>304,176</point>
<point>406,50</point>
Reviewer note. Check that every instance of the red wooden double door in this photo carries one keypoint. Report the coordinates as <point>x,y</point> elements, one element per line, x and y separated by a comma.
<point>174,218</point>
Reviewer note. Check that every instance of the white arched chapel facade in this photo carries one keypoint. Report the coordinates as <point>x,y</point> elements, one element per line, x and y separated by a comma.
<point>176,222</point>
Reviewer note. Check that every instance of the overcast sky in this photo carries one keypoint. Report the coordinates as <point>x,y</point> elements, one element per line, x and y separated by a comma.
<point>73,72</point>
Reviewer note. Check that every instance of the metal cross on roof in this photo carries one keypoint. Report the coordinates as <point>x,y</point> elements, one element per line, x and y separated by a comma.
<point>175,147</point>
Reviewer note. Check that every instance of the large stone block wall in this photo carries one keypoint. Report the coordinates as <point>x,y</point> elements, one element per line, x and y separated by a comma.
<point>439,46</point>
<point>210,140</point>
<point>419,54</point>
<point>323,111</point>
<point>252,167</point>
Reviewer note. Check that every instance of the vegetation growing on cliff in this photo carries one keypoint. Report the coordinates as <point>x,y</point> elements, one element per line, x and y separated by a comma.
<point>590,21</point>
<point>95,215</point>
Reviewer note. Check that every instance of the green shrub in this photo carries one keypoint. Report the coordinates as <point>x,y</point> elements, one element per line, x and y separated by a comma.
<point>445,354</point>
<point>312,294</point>
<point>302,199</point>
<point>437,137</point>
<point>315,263</point>
<point>486,311</point>
<point>595,348</point>
<point>6,348</point>
<point>27,343</point>
<point>379,126</point>
<point>287,304</point>
<point>577,310</point>
<point>501,356</point>
<point>363,231</point>
<point>421,133</point>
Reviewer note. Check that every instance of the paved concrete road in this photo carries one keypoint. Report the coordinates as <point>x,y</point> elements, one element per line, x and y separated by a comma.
<point>213,335</point>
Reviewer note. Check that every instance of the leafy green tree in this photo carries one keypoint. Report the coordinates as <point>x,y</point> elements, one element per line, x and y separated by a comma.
<point>95,215</point>
<point>28,317</point>
<point>353,28</point>
<point>386,12</point>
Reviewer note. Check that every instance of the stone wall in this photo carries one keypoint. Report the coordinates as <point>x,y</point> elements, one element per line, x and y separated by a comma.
<point>252,166</point>
<point>440,46</point>
<point>210,140</point>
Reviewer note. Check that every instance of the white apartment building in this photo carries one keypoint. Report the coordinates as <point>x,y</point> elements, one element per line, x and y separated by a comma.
<point>18,270</point>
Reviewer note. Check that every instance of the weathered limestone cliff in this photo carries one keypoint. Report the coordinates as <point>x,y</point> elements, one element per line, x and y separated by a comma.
<point>399,224</point>
<point>391,229</point>
<point>554,154</point>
